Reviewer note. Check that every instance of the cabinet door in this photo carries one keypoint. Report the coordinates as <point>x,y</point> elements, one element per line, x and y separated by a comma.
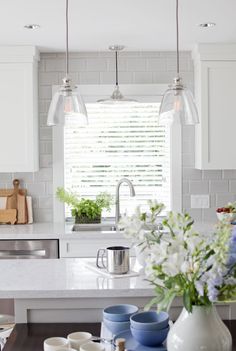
<point>18,117</point>
<point>216,97</point>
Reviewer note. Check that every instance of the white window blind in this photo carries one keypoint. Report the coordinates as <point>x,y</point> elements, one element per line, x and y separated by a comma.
<point>120,141</point>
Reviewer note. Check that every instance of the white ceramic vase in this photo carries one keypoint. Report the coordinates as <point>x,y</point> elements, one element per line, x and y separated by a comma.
<point>200,330</point>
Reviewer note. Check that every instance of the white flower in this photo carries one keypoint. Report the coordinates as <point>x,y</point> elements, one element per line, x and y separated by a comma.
<point>132,227</point>
<point>196,266</point>
<point>150,273</point>
<point>141,234</point>
<point>193,242</point>
<point>159,253</point>
<point>185,267</point>
<point>172,266</point>
<point>177,246</point>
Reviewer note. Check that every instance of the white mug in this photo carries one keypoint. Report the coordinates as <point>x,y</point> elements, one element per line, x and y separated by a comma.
<point>55,344</point>
<point>78,338</point>
<point>92,346</point>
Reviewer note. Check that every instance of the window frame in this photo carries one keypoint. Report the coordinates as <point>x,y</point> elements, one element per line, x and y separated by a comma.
<point>142,93</point>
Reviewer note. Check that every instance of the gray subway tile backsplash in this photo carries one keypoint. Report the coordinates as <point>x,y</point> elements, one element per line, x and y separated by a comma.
<point>135,67</point>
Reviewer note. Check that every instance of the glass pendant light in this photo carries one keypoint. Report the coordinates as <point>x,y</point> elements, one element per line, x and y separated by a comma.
<point>116,96</point>
<point>67,101</point>
<point>178,101</point>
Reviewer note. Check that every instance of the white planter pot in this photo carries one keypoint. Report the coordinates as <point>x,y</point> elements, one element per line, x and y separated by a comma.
<point>200,330</point>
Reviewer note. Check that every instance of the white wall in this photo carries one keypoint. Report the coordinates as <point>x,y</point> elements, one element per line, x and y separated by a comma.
<point>135,67</point>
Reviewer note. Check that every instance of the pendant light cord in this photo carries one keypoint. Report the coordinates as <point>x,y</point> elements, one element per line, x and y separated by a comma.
<point>67,41</point>
<point>117,68</point>
<point>177,35</point>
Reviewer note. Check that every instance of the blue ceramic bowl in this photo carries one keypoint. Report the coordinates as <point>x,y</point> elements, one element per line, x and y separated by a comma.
<point>119,313</point>
<point>149,320</point>
<point>150,337</point>
<point>116,327</point>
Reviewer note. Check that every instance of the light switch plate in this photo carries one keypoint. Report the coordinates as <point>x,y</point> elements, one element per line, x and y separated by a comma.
<point>200,201</point>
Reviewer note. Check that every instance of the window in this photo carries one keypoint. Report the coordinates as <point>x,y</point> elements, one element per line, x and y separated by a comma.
<point>120,141</point>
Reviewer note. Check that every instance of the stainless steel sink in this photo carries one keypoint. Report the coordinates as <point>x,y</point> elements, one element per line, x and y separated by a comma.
<point>100,227</point>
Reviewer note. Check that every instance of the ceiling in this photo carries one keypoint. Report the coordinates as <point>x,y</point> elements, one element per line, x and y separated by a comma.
<point>96,24</point>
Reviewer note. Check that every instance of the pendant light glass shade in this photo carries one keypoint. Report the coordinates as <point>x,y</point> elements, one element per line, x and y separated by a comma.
<point>178,102</point>
<point>116,97</point>
<point>67,101</point>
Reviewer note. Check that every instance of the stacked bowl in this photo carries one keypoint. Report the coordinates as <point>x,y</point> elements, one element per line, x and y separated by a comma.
<point>150,328</point>
<point>77,341</point>
<point>116,318</point>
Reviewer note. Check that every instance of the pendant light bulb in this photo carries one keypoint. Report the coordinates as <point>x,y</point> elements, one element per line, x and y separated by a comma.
<point>178,102</point>
<point>116,97</point>
<point>67,102</point>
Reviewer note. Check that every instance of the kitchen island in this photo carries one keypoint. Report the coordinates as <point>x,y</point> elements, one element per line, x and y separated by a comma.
<point>65,290</point>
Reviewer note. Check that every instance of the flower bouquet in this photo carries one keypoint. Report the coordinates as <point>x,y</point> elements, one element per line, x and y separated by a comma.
<point>182,262</point>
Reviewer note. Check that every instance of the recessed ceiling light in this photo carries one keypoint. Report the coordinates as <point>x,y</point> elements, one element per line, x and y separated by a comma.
<point>32,26</point>
<point>207,25</point>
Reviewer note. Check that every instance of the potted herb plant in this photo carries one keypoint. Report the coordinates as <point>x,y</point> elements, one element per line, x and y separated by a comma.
<point>85,210</point>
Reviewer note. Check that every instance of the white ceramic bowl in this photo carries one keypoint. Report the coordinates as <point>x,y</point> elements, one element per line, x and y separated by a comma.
<point>55,344</point>
<point>225,216</point>
<point>92,346</point>
<point>77,339</point>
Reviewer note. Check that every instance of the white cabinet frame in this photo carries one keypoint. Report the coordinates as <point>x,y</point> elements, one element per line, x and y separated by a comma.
<point>215,76</point>
<point>19,109</point>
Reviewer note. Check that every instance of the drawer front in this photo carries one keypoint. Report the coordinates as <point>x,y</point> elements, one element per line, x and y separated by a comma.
<point>87,248</point>
<point>23,249</point>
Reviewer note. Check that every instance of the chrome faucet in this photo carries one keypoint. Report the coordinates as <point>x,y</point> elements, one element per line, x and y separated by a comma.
<point>132,194</point>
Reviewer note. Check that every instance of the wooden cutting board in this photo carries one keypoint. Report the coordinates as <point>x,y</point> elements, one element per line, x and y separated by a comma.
<point>16,199</point>
<point>8,216</point>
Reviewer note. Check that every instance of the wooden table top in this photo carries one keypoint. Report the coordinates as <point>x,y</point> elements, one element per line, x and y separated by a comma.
<point>30,337</point>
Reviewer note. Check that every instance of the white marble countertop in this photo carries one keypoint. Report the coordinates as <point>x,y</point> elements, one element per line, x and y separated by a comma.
<point>49,231</point>
<point>64,231</point>
<point>64,278</point>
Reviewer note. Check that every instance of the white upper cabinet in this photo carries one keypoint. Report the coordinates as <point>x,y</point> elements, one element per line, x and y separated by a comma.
<point>19,109</point>
<point>215,92</point>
